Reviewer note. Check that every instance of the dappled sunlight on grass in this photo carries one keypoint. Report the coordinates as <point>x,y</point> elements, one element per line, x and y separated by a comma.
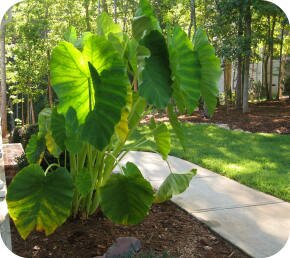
<point>259,160</point>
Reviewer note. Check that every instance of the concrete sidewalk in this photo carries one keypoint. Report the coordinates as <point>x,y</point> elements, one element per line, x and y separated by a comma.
<point>257,223</point>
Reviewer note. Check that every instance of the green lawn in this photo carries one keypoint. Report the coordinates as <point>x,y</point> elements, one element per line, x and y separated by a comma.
<point>261,161</point>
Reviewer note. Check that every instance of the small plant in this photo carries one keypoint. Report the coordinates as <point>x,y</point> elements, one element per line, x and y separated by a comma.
<point>96,78</point>
<point>22,134</point>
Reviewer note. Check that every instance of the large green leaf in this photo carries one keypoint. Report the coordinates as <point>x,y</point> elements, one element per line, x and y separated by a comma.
<point>106,25</point>
<point>185,70</point>
<point>156,76</point>
<point>69,77</point>
<point>144,21</point>
<point>110,93</point>
<point>39,201</point>
<point>210,69</point>
<point>35,149</point>
<point>92,99</point>
<point>174,184</point>
<point>126,199</point>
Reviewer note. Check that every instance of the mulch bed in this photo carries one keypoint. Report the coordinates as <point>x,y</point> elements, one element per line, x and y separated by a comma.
<point>267,117</point>
<point>167,230</point>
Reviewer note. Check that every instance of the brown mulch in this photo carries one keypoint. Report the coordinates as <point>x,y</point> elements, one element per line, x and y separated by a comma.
<point>167,230</point>
<point>268,117</point>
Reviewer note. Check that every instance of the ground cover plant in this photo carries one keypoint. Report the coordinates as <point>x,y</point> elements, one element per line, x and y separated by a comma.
<point>105,82</point>
<point>259,160</point>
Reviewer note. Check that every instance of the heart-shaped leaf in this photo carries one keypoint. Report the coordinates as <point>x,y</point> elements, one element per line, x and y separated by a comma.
<point>174,184</point>
<point>185,71</point>
<point>106,26</point>
<point>126,199</point>
<point>144,21</point>
<point>69,77</point>
<point>111,91</point>
<point>210,69</point>
<point>156,76</point>
<point>39,201</point>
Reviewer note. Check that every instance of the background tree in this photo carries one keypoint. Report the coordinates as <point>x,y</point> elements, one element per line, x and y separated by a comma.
<point>243,32</point>
<point>4,23</point>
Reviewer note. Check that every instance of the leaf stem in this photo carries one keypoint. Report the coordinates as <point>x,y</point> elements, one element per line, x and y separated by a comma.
<point>50,166</point>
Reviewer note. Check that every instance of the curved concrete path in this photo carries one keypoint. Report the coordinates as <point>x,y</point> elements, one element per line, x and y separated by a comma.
<point>257,223</point>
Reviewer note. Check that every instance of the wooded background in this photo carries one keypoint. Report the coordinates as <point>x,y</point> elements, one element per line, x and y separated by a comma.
<point>245,33</point>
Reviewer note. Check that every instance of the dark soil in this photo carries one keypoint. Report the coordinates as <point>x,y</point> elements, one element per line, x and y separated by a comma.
<point>267,117</point>
<point>167,230</point>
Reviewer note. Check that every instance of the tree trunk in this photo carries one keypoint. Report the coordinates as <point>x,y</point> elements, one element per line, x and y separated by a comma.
<point>192,18</point>
<point>279,93</point>
<point>3,73</point>
<point>248,32</point>
<point>239,84</point>
<point>271,52</point>
<point>125,13</point>
<point>12,118</point>
<point>99,7</point>
<point>32,112</point>
<point>87,8</point>
<point>105,6</point>
<point>28,111</point>
<point>22,110</point>
<point>49,88</point>
<point>227,82</point>
<point>115,11</point>
<point>265,75</point>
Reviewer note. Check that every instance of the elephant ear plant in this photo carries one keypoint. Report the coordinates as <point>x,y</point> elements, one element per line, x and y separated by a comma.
<point>105,83</point>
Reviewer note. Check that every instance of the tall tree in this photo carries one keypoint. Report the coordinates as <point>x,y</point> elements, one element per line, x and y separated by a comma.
<point>4,23</point>
<point>279,92</point>
<point>87,9</point>
<point>248,32</point>
<point>192,18</point>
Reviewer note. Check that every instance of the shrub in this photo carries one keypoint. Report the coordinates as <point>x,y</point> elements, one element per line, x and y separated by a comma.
<point>22,134</point>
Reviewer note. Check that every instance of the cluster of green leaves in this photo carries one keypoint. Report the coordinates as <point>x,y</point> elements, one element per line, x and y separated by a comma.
<point>94,78</point>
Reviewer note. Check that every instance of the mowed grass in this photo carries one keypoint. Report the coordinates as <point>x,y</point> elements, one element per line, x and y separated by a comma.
<point>261,161</point>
